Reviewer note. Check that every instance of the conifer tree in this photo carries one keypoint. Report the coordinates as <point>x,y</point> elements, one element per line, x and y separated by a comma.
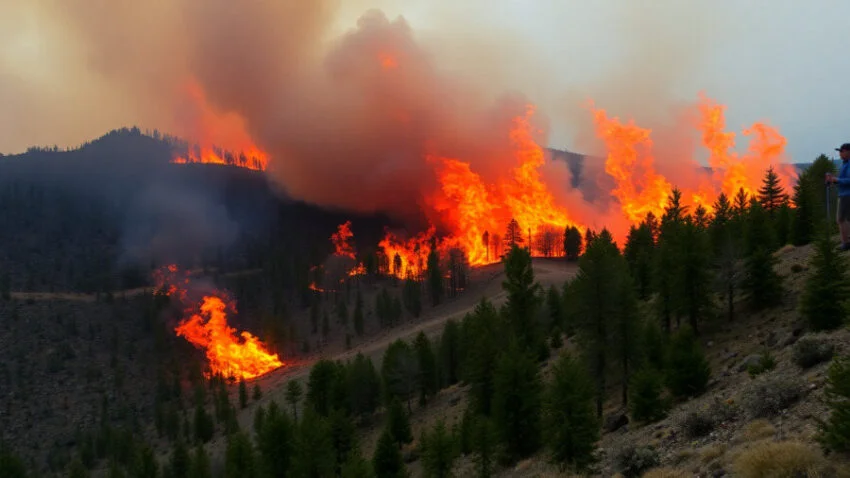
<point>761,282</point>
<point>555,308</point>
<point>363,385</point>
<point>314,454</point>
<point>687,368</point>
<point>438,452</point>
<point>638,253</point>
<point>276,441</point>
<point>572,243</point>
<point>486,332</point>
<point>523,299</point>
<point>435,276</point>
<point>239,457</point>
<point>412,297</point>
<point>513,234</point>
<point>646,403</point>
<point>692,285</point>
<point>243,394</point>
<point>400,372</point>
<point>398,423</point>
<point>571,425</point>
<point>516,402</point>
<point>356,466</point>
<point>427,367</point>
<point>835,431</point>
<point>450,354</point>
<point>666,259</point>
<point>180,461</point>
<point>343,437</point>
<point>200,464</point>
<point>294,392</point>
<point>358,314</point>
<point>824,301</point>
<point>771,195</point>
<point>718,228</point>
<point>387,460</point>
<point>804,216</point>
<point>484,440</point>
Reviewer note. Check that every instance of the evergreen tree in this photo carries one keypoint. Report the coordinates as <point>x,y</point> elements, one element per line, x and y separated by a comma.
<point>516,402</point>
<point>646,403</point>
<point>204,426</point>
<point>276,441</point>
<point>358,314</point>
<point>835,431</point>
<point>523,301</point>
<point>555,308</point>
<point>761,282</point>
<point>343,438</point>
<point>427,367</point>
<point>364,385</point>
<point>771,195</point>
<point>144,463</point>
<point>485,334</point>
<point>180,461</point>
<point>484,442</point>
<point>718,228</point>
<point>412,297</point>
<point>687,368</point>
<point>398,423</point>
<point>438,454</point>
<point>804,215</point>
<point>638,253</point>
<point>200,464</point>
<point>692,284</point>
<point>572,243</point>
<point>824,301</point>
<point>571,425</point>
<point>356,466</point>
<point>666,260</point>
<point>239,457</point>
<point>513,234</point>
<point>314,455</point>
<point>605,304</point>
<point>387,460</point>
<point>400,372</point>
<point>435,276</point>
<point>450,354</point>
<point>243,394</point>
<point>783,222</point>
<point>294,392</point>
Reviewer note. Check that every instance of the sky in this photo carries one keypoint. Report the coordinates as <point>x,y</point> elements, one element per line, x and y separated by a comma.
<point>785,62</point>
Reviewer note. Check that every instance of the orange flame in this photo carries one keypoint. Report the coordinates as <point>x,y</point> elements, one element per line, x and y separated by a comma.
<point>227,130</point>
<point>342,240</point>
<point>412,254</point>
<point>227,354</point>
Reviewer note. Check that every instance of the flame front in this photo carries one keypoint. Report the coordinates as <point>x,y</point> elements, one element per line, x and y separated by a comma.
<point>342,240</point>
<point>242,357</point>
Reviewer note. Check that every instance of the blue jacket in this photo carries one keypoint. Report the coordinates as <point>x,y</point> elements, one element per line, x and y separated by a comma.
<point>844,179</point>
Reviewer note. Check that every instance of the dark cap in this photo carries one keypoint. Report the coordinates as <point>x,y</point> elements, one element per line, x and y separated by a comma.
<point>844,147</point>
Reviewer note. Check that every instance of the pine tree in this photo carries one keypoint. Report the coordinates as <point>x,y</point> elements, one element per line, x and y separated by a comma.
<point>771,195</point>
<point>824,301</point>
<point>835,432</point>
<point>364,385</point>
<point>804,216</point>
<point>387,460</point>
<point>438,453</point>
<point>484,440</point>
<point>356,466</point>
<point>761,282</point>
<point>358,314</point>
<point>276,442</point>
<point>427,367</point>
<point>398,423</point>
<point>180,461</point>
<point>343,437</point>
<point>400,372</point>
<point>571,425</point>
<point>239,457</point>
<point>200,464</point>
<point>718,228</point>
<point>204,426</point>
<point>665,262</point>
<point>523,300</point>
<point>513,234</point>
<point>555,308</point>
<point>516,402</point>
<point>687,368</point>
<point>572,243</point>
<point>484,341</point>
<point>646,403</point>
<point>314,450</point>
<point>450,354</point>
<point>638,253</point>
<point>692,283</point>
<point>435,276</point>
<point>243,394</point>
<point>294,393</point>
<point>412,297</point>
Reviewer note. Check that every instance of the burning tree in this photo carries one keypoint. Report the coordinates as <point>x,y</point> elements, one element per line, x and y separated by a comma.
<point>513,234</point>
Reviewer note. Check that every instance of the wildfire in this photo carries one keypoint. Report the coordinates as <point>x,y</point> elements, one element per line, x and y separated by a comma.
<point>407,258</point>
<point>342,240</point>
<point>242,357</point>
<point>225,129</point>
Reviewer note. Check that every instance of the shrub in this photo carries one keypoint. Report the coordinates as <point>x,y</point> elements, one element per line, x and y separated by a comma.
<point>667,473</point>
<point>835,432</point>
<point>645,401</point>
<point>700,422</point>
<point>779,460</point>
<point>809,352</point>
<point>767,397</point>
<point>758,430</point>
<point>632,461</point>
<point>766,363</point>
<point>712,452</point>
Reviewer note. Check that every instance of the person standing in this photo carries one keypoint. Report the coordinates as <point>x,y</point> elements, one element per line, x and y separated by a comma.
<point>842,215</point>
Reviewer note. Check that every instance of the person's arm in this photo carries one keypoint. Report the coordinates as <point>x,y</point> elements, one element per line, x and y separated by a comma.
<point>842,180</point>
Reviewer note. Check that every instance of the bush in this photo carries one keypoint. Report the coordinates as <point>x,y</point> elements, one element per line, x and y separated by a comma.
<point>632,461</point>
<point>809,352</point>
<point>700,422</point>
<point>780,459</point>
<point>687,370</point>
<point>758,430</point>
<point>766,398</point>
<point>766,363</point>
<point>667,473</point>
<point>645,401</point>
<point>835,432</point>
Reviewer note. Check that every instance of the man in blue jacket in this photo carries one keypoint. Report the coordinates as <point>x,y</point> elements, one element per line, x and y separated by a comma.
<point>843,182</point>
